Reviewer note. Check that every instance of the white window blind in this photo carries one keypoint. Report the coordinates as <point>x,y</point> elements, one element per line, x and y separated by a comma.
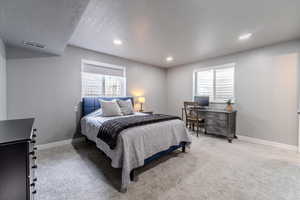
<point>217,83</point>
<point>205,83</point>
<point>99,79</point>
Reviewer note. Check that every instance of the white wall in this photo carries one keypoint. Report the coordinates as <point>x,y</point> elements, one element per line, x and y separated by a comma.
<point>48,88</point>
<point>266,85</point>
<point>3,113</point>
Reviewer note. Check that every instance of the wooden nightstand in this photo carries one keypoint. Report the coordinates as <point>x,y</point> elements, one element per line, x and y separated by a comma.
<point>147,112</point>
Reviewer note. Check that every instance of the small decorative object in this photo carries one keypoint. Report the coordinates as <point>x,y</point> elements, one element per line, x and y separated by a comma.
<point>141,100</point>
<point>229,107</point>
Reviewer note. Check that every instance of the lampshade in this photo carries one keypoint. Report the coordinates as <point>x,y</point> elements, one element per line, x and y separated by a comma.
<point>141,99</point>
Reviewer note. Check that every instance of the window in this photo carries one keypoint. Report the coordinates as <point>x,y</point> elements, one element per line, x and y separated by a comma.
<point>216,82</point>
<point>100,79</point>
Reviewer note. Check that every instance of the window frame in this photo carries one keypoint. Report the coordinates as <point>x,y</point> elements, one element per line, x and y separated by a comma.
<point>228,65</point>
<point>101,64</point>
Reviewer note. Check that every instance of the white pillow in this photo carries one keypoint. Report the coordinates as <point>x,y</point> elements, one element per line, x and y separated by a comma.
<point>126,106</point>
<point>96,113</point>
<point>110,108</point>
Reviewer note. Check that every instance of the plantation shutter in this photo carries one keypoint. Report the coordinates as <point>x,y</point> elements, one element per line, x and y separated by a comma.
<point>205,83</point>
<point>224,84</point>
<point>98,80</point>
<point>217,83</point>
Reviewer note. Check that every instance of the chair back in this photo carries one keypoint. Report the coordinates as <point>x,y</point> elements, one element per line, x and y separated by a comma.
<point>187,105</point>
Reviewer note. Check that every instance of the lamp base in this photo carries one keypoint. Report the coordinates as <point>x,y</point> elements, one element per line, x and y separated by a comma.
<point>141,109</point>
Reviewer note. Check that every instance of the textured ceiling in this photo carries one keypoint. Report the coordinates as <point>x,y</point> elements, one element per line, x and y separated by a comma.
<point>188,30</point>
<point>151,30</point>
<point>49,22</point>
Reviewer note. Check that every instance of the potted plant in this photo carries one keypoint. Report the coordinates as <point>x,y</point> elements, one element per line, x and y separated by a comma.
<point>229,107</point>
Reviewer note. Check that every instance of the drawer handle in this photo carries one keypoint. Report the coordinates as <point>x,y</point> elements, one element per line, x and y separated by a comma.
<point>34,158</point>
<point>35,148</point>
<point>35,180</point>
<point>32,184</point>
<point>34,192</point>
<point>31,153</point>
<point>33,141</point>
<point>34,167</point>
<point>34,135</point>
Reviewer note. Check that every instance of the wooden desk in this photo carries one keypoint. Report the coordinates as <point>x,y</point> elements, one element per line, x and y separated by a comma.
<point>217,121</point>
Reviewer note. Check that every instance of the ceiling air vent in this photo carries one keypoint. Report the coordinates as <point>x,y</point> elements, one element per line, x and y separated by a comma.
<point>33,44</point>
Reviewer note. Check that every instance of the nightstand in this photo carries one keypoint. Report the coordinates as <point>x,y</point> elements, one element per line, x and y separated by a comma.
<point>147,112</point>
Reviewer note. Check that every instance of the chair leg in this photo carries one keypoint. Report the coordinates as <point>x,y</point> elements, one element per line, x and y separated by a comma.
<point>198,129</point>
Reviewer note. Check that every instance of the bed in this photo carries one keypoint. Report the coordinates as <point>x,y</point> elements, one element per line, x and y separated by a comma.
<point>136,146</point>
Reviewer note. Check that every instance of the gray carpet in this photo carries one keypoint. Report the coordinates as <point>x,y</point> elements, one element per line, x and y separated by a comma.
<point>212,169</point>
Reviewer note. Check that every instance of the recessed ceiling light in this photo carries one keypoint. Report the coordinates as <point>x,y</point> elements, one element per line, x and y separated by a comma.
<point>245,36</point>
<point>118,42</point>
<point>169,59</point>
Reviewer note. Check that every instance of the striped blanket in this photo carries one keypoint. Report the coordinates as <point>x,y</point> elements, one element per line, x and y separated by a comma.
<point>110,130</point>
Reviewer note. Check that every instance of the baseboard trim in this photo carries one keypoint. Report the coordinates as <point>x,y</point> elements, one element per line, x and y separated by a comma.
<point>268,143</point>
<point>60,143</point>
<point>241,137</point>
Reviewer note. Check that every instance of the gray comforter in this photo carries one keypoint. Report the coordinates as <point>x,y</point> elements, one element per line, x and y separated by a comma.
<point>110,130</point>
<point>135,144</point>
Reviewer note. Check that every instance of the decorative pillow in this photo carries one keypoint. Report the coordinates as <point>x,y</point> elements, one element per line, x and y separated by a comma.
<point>126,106</point>
<point>110,108</point>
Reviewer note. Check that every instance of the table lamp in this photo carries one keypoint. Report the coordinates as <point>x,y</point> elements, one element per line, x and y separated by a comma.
<point>141,100</point>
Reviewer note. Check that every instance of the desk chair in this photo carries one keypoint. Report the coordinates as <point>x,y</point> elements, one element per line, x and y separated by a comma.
<point>192,117</point>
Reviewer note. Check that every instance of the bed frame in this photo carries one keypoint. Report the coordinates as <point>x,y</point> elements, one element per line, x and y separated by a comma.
<point>90,104</point>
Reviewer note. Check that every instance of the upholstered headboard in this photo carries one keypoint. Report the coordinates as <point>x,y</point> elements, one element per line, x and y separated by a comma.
<point>90,104</point>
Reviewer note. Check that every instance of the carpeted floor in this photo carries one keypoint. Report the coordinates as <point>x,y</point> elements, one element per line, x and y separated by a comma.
<point>212,169</point>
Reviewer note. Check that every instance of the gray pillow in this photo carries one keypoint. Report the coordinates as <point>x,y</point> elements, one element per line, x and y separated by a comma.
<point>110,108</point>
<point>126,106</point>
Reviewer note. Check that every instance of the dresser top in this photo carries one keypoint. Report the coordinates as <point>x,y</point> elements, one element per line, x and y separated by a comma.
<point>217,110</point>
<point>15,130</point>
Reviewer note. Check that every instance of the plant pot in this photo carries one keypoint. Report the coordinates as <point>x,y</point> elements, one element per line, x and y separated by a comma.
<point>229,108</point>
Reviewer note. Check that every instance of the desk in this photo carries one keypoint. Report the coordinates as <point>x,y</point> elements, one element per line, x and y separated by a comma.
<point>217,121</point>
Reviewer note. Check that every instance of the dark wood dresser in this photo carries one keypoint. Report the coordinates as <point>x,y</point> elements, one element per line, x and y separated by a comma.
<point>17,159</point>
